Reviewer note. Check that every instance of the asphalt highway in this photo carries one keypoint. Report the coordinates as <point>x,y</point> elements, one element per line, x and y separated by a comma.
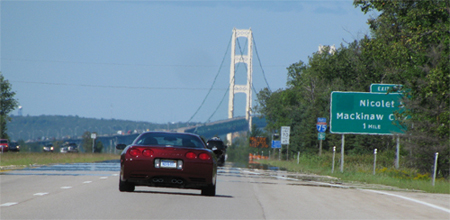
<point>90,191</point>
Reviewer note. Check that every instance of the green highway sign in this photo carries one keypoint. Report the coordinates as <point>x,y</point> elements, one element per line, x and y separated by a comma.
<point>385,88</point>
<point>321,136</point>
<point>364,113</point>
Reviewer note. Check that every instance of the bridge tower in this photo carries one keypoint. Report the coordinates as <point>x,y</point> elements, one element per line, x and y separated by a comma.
<point>247,88</point>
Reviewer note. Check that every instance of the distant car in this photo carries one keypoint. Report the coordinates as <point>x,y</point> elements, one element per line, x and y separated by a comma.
<point>69,148</point>
<point>219,148</point>
<point>48,148</point>
<point>4,145</point>
<point>14,147</point>
<point>166,159</point>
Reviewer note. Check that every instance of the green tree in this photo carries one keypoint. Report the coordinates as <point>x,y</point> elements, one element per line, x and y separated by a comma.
<point>7,104</point>
<point>98,147</point>
<point>410,45</point>
<point>308,97</point>
<point>86,142</point>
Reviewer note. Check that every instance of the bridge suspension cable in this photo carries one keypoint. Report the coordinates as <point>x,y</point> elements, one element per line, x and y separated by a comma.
<point>228,87</point>
<point>259,60</point>
<point>264,75</point>
<point>215,78</point>
<point>253,87</point>
<point>240,49</point>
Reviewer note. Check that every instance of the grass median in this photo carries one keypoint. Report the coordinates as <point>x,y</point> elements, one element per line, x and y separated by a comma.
<point>359,168</point>
<point>21,159</point>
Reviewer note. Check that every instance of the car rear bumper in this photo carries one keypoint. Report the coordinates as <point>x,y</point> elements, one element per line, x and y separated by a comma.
<point>192,175</point>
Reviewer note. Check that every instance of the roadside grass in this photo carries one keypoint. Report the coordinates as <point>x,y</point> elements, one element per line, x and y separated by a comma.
<point>359,169</point>
<point>23,159</point>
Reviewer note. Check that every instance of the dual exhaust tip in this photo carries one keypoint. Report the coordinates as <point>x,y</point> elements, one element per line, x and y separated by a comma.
<point>174,181</point>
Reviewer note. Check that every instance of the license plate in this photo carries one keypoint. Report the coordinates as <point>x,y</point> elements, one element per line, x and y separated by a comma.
<point>168,164</point>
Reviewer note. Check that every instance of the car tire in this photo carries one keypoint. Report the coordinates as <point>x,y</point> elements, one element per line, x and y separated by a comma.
<point>125,186</point>
<point>209,190</point>
<point>222,160</point>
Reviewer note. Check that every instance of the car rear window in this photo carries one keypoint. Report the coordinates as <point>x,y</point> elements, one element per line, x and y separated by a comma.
<point>168,139</point>
<point>218,144</point>
<point>3,141</point>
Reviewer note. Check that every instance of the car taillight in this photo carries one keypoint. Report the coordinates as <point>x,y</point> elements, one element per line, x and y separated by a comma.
<point>190,155</point>
<point>147,153</point>
<point>135,152</point>
<point>204,156</point>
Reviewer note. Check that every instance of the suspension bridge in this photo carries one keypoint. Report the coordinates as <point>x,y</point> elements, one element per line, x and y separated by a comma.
<point>241,59</point>
<point>240,81</point>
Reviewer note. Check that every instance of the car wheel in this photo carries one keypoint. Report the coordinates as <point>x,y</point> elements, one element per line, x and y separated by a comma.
<point>210,190</point>
<point>125,186</point>
<point>222,160</point>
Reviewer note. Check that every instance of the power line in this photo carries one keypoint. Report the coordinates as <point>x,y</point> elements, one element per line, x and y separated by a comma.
<point>129,64</point>
<point>112,87</point>
<point>115,64</point>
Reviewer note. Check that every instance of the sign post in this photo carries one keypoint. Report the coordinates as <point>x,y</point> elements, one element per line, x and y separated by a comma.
<point>285,132</point>
<point>93,136</point>
<point>435,167</point>
<point>397,157</point>
<point>342,153</point>
<point>277,136</point>
<point>321,128</point>
<point>374,160</point>
<point>334,154</point>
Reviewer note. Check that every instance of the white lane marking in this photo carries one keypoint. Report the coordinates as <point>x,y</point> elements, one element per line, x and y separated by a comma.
<point>284,178</point>
<point>66,187</point>
<point>103,177</point>
<point>41,194</point>
<point>87,182</point>
<point>115,174</point>
<point>8,204</point>
<point>410,199</point>
<point>331,185</point>
<point>251,172</point>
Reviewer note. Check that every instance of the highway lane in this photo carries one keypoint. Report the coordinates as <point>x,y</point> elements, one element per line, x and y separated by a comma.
<point>92,193</point>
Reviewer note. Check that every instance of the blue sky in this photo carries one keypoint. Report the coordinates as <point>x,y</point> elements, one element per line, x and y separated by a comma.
<point>155,61</point>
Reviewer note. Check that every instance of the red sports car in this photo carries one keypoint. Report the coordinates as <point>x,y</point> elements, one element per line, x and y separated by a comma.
<point>4,145</point>
<point>166,159</point>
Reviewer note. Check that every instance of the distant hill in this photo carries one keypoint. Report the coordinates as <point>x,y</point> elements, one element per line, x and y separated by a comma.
<point>48,127</point>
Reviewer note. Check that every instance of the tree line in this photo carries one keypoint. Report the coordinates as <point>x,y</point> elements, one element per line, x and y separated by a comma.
<point>62,127</point>
<point>409,45</point>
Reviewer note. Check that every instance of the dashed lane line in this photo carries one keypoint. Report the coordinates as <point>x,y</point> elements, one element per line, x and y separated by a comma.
<point>40,194</point>
<point>8,204</point>
<point>45,193</point>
